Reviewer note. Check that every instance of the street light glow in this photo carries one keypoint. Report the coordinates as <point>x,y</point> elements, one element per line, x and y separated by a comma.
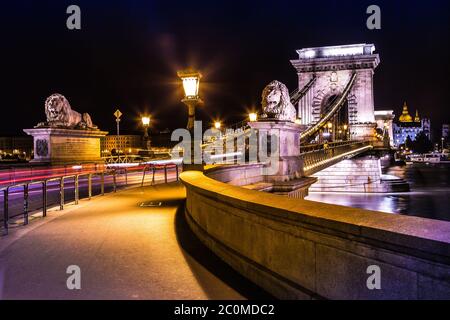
<point>217,125</point>
<point>146,121</point>
<point>253,117</point>
<point>191,83</point>
<point>330,125</point>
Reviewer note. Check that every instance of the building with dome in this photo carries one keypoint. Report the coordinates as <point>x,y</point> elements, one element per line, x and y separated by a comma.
<point>409,126</point>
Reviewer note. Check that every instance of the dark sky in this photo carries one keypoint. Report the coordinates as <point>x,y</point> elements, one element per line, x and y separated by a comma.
<point>127,54</point>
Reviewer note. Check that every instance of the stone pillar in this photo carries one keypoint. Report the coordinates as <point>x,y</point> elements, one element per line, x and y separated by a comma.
<point>56,146</point>
<point>287,141</point>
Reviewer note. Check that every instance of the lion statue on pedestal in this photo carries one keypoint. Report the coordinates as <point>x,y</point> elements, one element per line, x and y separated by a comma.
<point>276,103</point>
<point>60,115</point>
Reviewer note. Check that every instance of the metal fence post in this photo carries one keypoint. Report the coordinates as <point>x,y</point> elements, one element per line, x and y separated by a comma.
<point>176,169</point>
<point>25,203</point>
<point>6,209</point>
<point>44,198</point>
<point>153,173</point>
<point>61,194</point>
<point>126,176</point>
<point>143,176</point>
<point>90,186</point>
<point>77,190</point>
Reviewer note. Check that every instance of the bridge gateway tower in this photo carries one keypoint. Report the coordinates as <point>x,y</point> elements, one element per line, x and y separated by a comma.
<point>329,72</point>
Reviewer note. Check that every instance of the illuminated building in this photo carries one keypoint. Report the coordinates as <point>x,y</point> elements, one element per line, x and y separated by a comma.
<point>409,126</point>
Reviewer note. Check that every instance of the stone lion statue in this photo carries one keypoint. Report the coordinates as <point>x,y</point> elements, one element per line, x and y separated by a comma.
<point>276,103</point>
<point>60,114</point>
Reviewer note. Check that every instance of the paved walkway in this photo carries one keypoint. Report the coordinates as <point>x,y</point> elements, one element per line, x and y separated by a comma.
<point>124,251</point>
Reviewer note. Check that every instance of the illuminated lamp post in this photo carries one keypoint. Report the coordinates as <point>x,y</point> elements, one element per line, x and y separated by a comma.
<point>253,117</point>
<point>191,84</point>
<point>146,124</point>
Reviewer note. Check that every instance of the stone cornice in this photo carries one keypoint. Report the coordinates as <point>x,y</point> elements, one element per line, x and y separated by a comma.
<point>351,62</point>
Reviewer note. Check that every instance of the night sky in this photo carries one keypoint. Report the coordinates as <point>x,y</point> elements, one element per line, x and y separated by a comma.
<point>127,54</point>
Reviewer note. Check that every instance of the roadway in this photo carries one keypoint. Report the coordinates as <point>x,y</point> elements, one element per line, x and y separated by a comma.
<point>124,251</point>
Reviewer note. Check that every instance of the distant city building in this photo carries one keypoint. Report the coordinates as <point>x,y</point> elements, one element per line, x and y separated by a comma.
<point>384,120</point>
<point>445,128</point>
<point>20,146</point>
<point>407,126</point>
<point>126,143</point>
<point>426,127</point>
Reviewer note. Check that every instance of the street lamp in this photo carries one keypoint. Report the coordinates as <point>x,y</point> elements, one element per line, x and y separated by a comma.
<point>252,117</point>
<point>146,123</point>
<point>191,84</point>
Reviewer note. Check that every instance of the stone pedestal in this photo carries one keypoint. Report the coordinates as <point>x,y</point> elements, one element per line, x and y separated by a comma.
<point>57,146</point>
<point>287,135</point>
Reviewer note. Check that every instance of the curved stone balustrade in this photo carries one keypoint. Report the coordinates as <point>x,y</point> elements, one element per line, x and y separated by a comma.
<point>297,249</point>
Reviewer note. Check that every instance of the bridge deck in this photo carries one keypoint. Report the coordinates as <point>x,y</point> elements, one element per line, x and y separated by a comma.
<point>124,251</point>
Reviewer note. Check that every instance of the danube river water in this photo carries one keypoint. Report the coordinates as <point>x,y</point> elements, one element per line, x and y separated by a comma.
<point>429,196</point>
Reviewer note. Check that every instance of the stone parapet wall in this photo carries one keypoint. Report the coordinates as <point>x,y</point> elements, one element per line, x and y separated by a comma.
<point>297,249</point>
<point>236,175</point>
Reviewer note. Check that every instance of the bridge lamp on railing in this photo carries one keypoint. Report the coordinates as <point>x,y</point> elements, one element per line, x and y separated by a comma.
<point>253,117</point>
<point>217,125</point>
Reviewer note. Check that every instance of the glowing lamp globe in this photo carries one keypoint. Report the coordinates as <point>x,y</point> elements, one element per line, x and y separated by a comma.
<point>146,121</point>
<point>253,117</point>
<point>191,83</point>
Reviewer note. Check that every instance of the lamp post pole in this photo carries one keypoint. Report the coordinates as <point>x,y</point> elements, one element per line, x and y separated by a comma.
<point>191,113</point>
<point>146,124</point>
<point>191,83</point>
<point>118,114</point>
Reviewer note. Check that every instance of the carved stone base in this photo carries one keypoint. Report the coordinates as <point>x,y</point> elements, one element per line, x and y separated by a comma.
<point>57,146</point>
<point>287,137</point>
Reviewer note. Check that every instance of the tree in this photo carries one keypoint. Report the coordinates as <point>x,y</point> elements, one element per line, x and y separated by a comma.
<point>422,144</point>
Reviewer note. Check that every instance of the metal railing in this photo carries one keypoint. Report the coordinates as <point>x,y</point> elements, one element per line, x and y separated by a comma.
<point>44,183</point>
<point>314,161</point>
<point>154,168</point>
